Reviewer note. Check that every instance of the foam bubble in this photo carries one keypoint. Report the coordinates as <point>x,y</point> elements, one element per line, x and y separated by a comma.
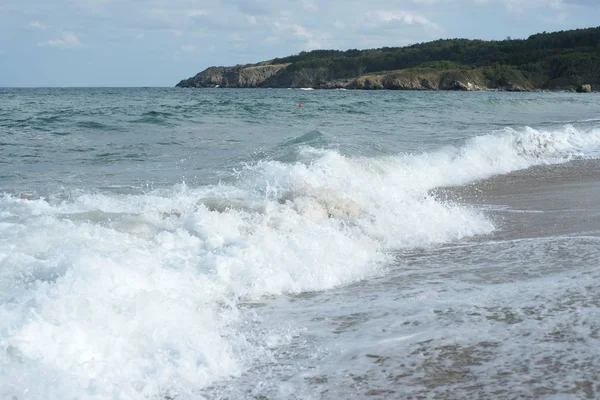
<point>124,296</point>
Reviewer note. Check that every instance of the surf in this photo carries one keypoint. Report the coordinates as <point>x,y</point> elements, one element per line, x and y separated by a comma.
<point>138,294</point>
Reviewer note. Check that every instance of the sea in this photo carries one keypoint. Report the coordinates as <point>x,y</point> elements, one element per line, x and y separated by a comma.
<point>162,243</point>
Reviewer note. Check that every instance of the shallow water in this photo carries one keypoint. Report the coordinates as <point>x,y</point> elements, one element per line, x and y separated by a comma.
<point>164,243</point>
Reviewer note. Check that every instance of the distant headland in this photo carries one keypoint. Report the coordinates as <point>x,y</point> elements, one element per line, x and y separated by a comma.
<point>566,60</point>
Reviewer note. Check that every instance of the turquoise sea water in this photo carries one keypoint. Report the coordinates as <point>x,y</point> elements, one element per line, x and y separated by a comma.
<point>221,243</point>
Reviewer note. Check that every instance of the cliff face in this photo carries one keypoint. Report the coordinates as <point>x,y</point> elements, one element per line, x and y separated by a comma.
<point>247,76</point>
<point>259,75</point>
<point>427,79</point>
<point>279,76</point>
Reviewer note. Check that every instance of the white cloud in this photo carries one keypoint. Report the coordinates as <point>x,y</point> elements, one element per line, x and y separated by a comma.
<point>406,17</point>
<point>557,19</point>
<point>309,5</point>
<point>67,40</point>
<point>94,6</point>
<point>271,40</point>
<point>236,37</point>
<point>520,5</point>
<point>381,16</point>
<point>429,2</point>
<point>188,48</point>
<point>196,13</point>
<point>37,25</point>
<point>311,42</point>
<point>173,18</point>
<point>140,36</point>
<point>339,24</point>
<point>512,5</point>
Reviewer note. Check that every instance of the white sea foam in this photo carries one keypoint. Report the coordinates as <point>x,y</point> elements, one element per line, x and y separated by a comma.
<point>129,297</point>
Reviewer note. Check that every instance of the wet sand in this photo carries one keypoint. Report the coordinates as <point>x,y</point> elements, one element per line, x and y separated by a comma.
<point>549,200</point>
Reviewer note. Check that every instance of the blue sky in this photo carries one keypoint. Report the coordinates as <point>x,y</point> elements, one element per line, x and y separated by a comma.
<point>159,42</point>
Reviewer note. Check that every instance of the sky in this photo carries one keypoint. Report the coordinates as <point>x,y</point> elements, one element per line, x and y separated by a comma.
<point>159,42</point>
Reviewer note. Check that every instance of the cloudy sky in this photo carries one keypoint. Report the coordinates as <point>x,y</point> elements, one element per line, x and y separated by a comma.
<point>159,42</point>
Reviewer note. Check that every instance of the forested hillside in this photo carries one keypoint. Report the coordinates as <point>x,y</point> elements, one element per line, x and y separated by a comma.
<point>559,60</point>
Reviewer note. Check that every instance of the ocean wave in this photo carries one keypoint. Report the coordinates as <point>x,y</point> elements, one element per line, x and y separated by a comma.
<point>314,138</point>
<point>135,296</point>
<point>92,125</point>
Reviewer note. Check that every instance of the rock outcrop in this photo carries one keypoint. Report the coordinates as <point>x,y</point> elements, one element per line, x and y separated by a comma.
<point>279,76</point>
<point>287,75</point>
<point>246,76</point>
<point>546,61</point>
<point>427,79</point>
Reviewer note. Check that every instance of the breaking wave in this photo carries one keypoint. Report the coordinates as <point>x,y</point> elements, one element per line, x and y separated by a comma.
<point>135,296</point>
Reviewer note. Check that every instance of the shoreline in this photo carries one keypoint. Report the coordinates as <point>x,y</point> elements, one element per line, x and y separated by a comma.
<point>515,201</point>
<point>565,60</point>
<point>309,88</point>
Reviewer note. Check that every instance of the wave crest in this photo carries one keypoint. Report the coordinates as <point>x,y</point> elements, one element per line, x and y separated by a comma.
<point>136,295</point>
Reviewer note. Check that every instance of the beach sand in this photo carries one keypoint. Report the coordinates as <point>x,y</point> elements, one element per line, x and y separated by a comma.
<point>547,200</point>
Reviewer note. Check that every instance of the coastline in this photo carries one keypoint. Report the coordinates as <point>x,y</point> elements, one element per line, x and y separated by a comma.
<point>565,60</point>
<point>283,76</point>
<point>574,90</point>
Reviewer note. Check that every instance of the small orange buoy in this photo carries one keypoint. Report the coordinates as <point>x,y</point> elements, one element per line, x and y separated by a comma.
<point>300,105</point>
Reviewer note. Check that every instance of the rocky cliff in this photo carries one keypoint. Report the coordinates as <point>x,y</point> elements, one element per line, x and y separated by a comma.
<point>426,79</point>
<point>246,76</point>
<point>566,60</point>
<point>277,76</point>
